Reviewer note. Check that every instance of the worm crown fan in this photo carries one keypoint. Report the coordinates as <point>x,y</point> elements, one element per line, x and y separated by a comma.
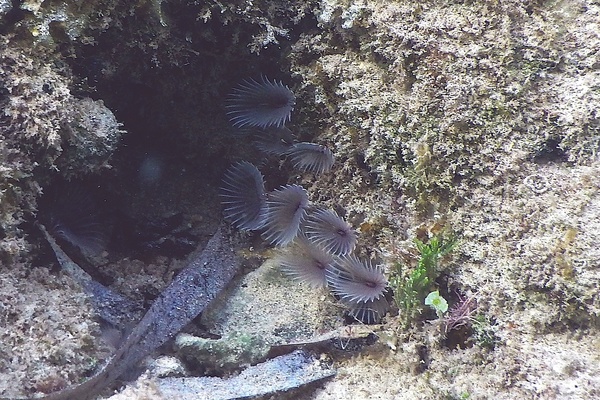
<point>325,228</point>
<point>305,262</point>
<point>243,196</point>
<point>356,281</point>
<point>261,103</point>
<point>286,209</point>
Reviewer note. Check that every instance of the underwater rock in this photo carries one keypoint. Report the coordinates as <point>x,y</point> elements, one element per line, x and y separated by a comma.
<point>229,353</point>
<point>167,367</point>
<point>281,374</point>
<point>93,134</point>
<point>267,304</point>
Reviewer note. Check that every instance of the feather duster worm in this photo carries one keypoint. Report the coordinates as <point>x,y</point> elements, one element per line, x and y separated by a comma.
<point>305,262</point>
<point>274,141</point>
<point>73,215</point>
<point>355,281</point>
<point>286,209</point>
<point>369,312</point>
<point>325,228</point>
<point>262,104</point>
<point>243,196</point>
<point>311,157</point>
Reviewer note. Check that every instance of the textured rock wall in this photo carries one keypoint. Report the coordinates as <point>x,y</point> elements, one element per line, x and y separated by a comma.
<point>479,117</point>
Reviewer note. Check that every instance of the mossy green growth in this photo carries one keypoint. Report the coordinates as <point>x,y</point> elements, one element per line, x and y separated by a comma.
<point>410,289</point>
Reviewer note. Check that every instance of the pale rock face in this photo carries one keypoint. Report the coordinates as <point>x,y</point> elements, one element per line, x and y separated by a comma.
<point>478,117</point>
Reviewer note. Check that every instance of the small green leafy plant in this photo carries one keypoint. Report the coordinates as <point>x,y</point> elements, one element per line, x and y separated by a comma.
<point>410,288</point>
<point>437,302</point>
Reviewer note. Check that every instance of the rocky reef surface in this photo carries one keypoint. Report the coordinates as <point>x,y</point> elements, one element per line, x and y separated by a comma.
<point>475,119</point>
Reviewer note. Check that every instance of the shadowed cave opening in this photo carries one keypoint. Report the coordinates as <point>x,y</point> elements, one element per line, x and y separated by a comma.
<point>159,200</point>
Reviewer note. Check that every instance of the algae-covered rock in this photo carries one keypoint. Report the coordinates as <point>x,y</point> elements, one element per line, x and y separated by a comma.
<point>229,353</point>
<point>48,339</point>
<point>477,117</point>
<point>92,135</point>
<point>46,129</point>
<point>269,305</point>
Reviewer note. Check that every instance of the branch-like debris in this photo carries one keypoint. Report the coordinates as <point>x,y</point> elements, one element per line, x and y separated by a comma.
<point>111,306</point>
<point>190,292</point>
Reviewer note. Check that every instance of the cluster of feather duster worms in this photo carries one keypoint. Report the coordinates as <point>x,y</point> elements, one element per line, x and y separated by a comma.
<point>316,244</point>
